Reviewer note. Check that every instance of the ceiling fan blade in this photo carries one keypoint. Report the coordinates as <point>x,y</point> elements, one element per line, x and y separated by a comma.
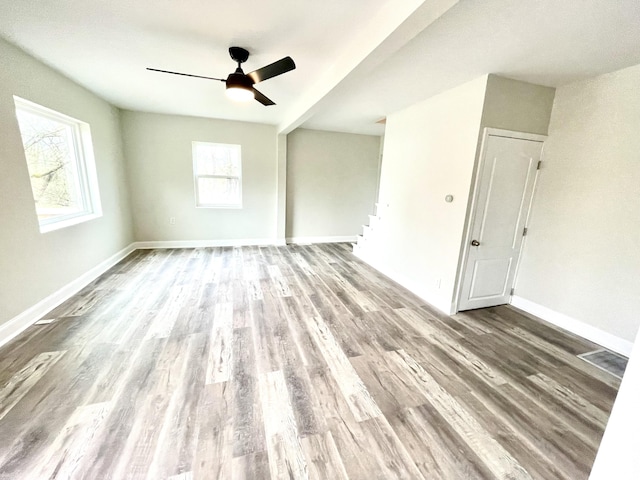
<point>262,99</point>
<point>283,65</point>
<point>186,74</point>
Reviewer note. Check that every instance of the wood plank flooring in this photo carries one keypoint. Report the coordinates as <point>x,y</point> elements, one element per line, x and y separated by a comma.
<point>290,362</point>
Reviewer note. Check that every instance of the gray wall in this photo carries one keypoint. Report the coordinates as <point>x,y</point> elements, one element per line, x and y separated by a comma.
<point>581,257</point>
<point>158,152</point>
<point>518,106</point>
<point>331,182</point>
<point>33,265</point>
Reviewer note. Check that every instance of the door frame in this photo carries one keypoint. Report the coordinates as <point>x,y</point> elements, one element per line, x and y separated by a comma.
<point>475,190</point>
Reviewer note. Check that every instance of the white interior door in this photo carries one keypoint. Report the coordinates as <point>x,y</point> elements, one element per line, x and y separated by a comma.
<point>502,198</point>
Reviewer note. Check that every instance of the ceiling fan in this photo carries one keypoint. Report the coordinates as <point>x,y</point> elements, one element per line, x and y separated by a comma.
<point>240,85</point>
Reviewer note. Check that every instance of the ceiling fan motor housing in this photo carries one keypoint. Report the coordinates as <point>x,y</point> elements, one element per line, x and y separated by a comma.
<point>239,80</point>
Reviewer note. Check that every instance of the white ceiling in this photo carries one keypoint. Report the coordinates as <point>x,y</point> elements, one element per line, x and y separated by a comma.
<point>357,60</point>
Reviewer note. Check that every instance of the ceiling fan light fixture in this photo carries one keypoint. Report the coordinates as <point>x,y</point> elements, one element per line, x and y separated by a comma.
<point>239,87</point>
<point>239,94</point>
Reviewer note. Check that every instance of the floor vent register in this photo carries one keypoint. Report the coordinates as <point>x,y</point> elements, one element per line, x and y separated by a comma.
<point>608,361</point>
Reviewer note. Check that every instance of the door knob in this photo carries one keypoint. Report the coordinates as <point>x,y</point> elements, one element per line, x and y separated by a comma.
<point>475,243</point>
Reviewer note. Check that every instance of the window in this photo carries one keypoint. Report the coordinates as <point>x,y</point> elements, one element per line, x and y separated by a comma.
<point>217,169</point>
<point>61,168</point>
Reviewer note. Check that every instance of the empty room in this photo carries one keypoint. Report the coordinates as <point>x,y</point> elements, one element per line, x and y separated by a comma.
<point>319,240</point>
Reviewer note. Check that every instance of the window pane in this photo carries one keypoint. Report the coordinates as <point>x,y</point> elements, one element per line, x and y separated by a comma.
<point>60,164</point>
<point>218,174</point>
<point>218,191</point>
<point>214,159</point>
<point>52,164</point>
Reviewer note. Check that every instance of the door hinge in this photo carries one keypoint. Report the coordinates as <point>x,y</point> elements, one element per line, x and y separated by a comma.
<point>524,232</point>
<point>513,290</point>
<point>539,164</point>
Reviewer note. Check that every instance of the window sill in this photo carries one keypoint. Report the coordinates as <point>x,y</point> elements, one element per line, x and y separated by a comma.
<point>228,207</point>
<point>50,227</point>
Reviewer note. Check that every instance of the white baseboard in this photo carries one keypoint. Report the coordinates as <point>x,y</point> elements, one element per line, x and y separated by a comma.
<point>22,321</point>
<point>411,285</point>
<point>339,239</point>
<point>577,327</point>
<point>242,242</point>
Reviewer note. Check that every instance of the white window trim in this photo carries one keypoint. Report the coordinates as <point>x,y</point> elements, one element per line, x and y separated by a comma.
<point>196,177</point>
<point>85,164</point>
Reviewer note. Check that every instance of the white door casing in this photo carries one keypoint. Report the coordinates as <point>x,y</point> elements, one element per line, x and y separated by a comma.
<point>502,198</point>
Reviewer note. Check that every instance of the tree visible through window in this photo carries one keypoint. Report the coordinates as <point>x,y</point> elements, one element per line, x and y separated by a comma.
<point>55,150</point>
<point>217,171</point>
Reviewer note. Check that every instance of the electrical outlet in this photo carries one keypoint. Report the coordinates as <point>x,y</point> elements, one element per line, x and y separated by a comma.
<point>172,220</point>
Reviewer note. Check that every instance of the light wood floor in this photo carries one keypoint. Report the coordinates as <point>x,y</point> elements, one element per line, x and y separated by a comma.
<point>290,362</point>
